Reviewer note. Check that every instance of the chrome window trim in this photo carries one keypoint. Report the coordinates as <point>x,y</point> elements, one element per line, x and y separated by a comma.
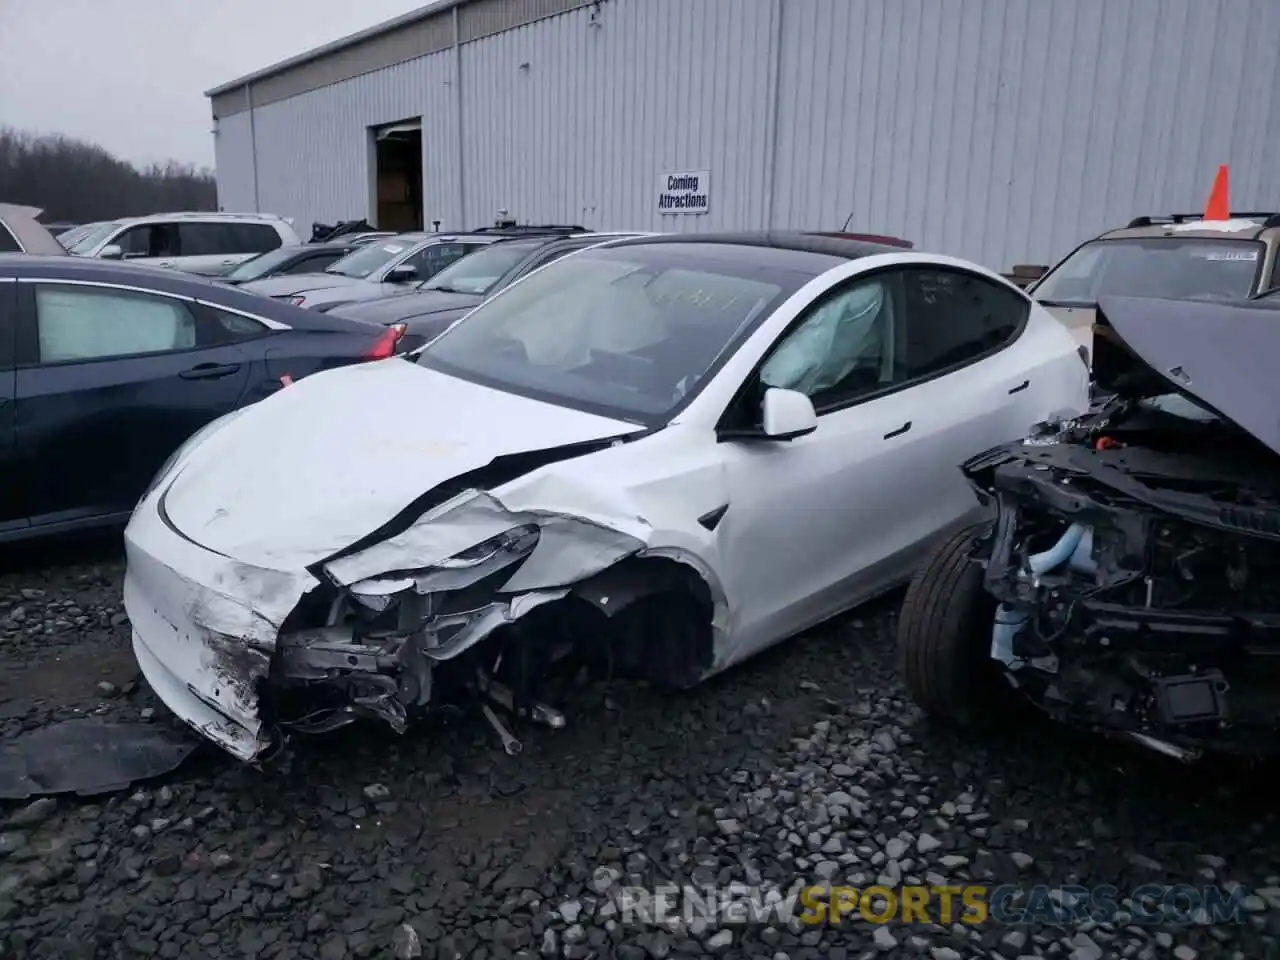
<point>129,288</point>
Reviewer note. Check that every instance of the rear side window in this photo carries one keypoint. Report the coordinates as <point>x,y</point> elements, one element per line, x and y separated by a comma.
<point>252,237</point>
<point>206,239</point>
<point>953,317</point>
<point>226,327</point>
<point>85,323</point>
<point>8,244</point>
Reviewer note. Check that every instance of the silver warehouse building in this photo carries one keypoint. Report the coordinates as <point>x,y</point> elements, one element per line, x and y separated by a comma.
<point>1005,131</point>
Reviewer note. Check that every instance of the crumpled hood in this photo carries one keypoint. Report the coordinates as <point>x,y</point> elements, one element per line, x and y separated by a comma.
<point>1220,355</point>
<point>395,309</point>
<point>296,283</point>
<point>333,457</point>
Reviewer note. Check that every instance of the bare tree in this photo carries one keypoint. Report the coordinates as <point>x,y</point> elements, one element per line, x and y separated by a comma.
<point>72,180</point>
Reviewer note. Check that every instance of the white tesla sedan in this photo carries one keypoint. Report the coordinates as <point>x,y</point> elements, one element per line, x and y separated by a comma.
<point>663,454</point>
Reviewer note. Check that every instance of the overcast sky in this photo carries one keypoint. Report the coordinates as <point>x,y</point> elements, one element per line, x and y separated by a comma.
<point>130,74</point>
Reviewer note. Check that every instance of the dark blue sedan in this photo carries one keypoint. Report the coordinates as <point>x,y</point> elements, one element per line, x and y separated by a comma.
<point>106,368</point>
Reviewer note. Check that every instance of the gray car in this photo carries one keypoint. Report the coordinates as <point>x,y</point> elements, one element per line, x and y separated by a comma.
<point>383,268</point>
<point>20,232</point>
<point>427,312</point>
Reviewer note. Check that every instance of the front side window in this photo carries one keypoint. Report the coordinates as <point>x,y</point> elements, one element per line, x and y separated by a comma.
<point>479,271</point>
<point>365,261</point>
<point>630,332</point>
<point>845,348</point>
<point>434,257</point>
<point>1168,267</point>
<point>145,240</point>
<point>82,323</point>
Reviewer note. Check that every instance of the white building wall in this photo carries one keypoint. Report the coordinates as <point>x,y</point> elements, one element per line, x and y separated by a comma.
<point>1001,130</point>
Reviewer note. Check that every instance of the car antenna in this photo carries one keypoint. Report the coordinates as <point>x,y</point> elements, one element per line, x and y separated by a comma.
<point>847,220</point>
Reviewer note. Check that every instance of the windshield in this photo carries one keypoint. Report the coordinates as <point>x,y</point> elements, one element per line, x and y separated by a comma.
<point>262,264</point>
<point>1173,268</point>
<point>628,332</point>
<point>68,238</point>
<point>366,260</point>
<point>478,272</point>
<point>94,237</point>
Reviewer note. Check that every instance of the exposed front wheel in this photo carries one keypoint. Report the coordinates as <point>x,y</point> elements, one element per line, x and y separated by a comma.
<point>944,635</point>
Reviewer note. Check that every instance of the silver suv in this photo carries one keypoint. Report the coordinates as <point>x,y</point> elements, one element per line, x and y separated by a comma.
<point>209,244</point>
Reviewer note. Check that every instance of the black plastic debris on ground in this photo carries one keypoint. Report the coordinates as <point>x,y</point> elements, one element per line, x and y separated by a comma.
<point>88,756</point>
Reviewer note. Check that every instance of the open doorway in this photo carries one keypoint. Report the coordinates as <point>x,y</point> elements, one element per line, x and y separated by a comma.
<point>397,151</point>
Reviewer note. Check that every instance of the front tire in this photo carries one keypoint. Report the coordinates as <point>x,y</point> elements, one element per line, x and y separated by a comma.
<point>944,635</point>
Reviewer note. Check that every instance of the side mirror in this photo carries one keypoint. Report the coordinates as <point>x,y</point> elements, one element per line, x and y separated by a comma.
<point>787,414</point>
<point>112,251</point>
<point>402,274</point>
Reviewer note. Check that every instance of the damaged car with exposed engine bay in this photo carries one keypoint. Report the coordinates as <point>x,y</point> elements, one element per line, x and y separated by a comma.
<point>1127,583</point>
<point>654,458</point>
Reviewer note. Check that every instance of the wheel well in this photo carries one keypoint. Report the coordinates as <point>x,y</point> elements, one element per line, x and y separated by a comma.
<point>646,617</point>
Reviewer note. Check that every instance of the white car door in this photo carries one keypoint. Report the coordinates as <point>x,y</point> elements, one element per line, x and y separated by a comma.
<point>906,385</point>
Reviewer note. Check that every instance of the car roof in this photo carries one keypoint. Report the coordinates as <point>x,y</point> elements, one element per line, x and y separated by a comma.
<point>793,249</point>
<point>1263,226</point>
<point>214,215</point>
<point>32,237</point>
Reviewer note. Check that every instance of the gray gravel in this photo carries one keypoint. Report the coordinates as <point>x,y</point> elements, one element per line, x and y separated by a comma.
<point>808,763</point>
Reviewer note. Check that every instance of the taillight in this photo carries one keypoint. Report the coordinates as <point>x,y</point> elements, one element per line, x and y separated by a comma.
<point>385,345</point>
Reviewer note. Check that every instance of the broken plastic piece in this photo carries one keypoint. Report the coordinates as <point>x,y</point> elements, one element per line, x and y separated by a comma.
<point>88,756</point>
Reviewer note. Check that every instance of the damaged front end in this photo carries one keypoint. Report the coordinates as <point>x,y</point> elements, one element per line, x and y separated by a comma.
<point>470,605</point>
<point>1135,560</point>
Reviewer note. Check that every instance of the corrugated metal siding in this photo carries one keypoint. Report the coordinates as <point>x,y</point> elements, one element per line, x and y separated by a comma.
<point>233,160</point>
<point>1011,130</point>
<point>314,149</point>
<point>583,132</point>
<point>1002,130</point>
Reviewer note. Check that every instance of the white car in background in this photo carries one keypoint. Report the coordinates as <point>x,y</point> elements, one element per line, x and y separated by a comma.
<point>663,454</point>
<point>209,244</point>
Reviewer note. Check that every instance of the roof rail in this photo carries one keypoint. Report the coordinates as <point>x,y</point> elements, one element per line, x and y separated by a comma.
<point>531,228</point>
<point>1187,217</point>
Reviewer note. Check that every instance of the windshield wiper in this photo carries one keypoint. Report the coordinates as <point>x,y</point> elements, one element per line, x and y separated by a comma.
<point>446,289</point>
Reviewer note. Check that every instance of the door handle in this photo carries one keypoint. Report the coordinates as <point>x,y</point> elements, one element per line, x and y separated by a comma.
<point>209,371</point>
<point>1020,387</point>
<point>899,432</point>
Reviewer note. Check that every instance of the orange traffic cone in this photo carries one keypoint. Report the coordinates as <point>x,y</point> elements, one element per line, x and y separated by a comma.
<point>1218,207</point>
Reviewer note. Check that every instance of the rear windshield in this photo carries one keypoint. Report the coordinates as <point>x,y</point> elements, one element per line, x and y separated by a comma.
<point>1169,267</point>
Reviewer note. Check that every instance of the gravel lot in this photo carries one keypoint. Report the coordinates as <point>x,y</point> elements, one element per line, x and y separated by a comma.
<point>807,763</point>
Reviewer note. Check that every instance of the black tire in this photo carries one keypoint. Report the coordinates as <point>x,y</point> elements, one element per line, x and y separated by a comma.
<point>944,636</point>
